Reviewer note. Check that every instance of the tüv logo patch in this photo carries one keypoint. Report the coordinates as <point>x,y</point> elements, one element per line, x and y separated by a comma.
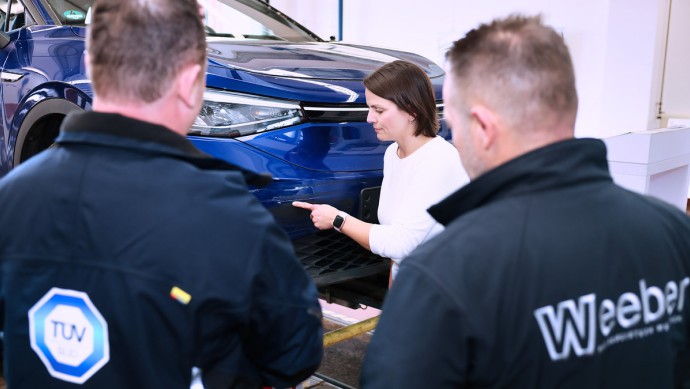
<point>69,335</point>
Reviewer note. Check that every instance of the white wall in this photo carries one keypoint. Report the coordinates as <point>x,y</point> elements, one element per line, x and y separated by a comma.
<point>617,45</point>
<point>676,89</point>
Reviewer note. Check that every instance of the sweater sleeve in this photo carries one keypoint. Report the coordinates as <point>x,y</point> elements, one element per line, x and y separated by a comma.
<point>398,239</point>
<point>433,178</point>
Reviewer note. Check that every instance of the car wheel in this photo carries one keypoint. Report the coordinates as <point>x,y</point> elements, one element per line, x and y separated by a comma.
<point>41,136</point>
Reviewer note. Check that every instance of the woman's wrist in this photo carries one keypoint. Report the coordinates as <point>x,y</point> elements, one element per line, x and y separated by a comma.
<point>339,221</point>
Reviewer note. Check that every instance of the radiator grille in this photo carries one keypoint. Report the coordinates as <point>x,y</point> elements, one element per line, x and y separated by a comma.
<point>330,257</point>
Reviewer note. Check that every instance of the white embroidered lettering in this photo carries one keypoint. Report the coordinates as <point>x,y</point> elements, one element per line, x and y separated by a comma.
<point>574,330</point>
<point>570,326</point>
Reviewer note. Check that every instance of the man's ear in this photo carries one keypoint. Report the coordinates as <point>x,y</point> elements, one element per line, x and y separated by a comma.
<point>485,126</point>
<point>188,84</point>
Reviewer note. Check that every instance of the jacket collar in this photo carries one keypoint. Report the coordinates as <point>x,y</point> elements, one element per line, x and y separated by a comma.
<point>121,129</point>
<point>554,166</point>
<point>114,130</point>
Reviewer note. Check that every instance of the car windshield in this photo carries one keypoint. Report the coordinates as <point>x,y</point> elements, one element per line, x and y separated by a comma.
<point>252,19</point>
<point>234,19</point>
<point>71,11</point>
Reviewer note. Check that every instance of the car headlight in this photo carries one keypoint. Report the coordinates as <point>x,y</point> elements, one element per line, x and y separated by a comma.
<point>226,114</point>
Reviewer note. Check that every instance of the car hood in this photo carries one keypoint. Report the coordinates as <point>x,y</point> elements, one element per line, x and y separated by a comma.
<point>317,60</point>
<point>318,74</point>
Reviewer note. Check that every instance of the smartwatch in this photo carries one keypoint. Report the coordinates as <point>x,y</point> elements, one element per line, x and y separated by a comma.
<point>339,221</point>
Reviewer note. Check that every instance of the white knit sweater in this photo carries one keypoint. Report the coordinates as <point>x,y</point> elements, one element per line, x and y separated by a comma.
<point>410,186</point>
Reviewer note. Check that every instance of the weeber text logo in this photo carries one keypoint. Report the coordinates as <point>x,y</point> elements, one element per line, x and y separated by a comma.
<point>571,326</point>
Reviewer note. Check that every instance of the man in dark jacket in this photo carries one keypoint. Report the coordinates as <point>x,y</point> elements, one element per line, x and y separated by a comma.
<point>548,275</point>
<point>129,257</point>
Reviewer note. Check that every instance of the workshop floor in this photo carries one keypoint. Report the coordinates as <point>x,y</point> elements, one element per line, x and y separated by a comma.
<point>342,361</point>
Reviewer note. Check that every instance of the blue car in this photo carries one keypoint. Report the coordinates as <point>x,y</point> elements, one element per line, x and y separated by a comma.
<point>279,100</point>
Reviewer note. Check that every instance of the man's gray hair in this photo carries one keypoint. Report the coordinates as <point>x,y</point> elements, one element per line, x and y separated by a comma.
<point>136,47</point>
<point>520,68</point>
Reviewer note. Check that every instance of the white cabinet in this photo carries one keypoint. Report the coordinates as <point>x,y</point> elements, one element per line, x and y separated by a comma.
<point>653,162</point>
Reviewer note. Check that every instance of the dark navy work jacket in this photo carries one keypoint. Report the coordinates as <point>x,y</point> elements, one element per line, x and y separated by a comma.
<point>548,275</point>
<point>128,257</point>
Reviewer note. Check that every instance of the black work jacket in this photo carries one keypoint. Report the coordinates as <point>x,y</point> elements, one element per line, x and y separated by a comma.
<point>548,275</point>
<point>181,266</point>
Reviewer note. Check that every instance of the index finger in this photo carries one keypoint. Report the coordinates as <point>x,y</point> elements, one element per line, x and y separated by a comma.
<point>302,204</point>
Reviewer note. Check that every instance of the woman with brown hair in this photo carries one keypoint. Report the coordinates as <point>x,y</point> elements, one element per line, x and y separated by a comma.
<point>420,168</point>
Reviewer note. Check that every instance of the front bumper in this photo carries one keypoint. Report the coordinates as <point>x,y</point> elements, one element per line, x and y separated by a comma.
<point>328,257</point>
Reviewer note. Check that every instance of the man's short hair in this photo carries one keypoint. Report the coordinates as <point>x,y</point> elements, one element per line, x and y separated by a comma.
<point>518,67</point>
<point>136,47</point>
<point>406,85</point>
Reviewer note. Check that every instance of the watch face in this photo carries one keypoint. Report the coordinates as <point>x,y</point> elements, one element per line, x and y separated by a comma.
<point>338,221</point>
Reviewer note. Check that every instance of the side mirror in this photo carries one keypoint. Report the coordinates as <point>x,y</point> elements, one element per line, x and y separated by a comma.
<point>4,39</point>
